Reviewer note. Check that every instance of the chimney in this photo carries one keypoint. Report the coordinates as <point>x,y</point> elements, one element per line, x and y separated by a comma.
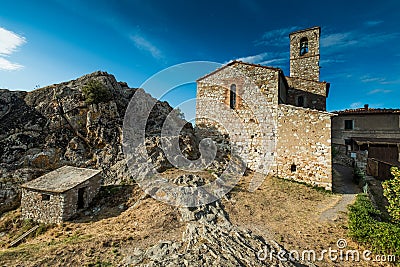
<point>366,106</point>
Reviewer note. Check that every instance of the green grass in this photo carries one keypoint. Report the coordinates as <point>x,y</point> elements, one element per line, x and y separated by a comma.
<point>367,227</point>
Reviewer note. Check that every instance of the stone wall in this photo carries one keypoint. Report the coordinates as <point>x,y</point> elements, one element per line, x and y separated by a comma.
<point>91,186</point>
<point>291,135</point>
<point>304,146</point>
<point>314,93</point>
<point>314,87</point>
<point>361,159</point>
<point>307,65</point>
<point>251,125</point>
<point>366,125</point>
<point>60,206</point>
<point>44,211</point>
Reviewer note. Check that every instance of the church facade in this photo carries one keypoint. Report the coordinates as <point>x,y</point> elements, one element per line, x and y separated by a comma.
<point>278,124</point>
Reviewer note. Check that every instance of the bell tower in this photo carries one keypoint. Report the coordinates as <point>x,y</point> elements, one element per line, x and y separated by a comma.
<point>304,53</point>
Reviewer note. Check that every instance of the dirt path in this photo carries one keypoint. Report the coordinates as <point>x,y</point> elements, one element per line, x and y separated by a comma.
<point>343,185</point>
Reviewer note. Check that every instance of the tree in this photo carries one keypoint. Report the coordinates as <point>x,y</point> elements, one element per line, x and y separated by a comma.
<point>95,92</point>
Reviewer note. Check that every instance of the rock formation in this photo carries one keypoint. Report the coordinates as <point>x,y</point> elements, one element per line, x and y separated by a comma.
<point>54,126</point>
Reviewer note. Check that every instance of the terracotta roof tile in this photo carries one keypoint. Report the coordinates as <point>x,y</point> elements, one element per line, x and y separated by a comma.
<point>368,111</point>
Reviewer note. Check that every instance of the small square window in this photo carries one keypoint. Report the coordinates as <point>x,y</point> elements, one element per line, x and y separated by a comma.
<point>45,197</point>
<point>348,124</point>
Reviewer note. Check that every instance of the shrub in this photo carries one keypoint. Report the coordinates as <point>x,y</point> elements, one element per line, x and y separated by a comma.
<point>365,227</point>
<point>96,92</point>
<point>391,190</point>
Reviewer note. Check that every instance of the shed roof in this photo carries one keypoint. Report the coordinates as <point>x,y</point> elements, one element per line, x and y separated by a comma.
<point>367,110</point>
<point>380,141</point>
<point>61,180</point>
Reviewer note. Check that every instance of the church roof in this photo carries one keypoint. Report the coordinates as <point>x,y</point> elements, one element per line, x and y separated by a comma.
<point>238,62</point>
<point>61,180</point>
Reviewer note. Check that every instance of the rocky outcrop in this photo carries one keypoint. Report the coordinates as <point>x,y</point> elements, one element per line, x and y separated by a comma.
<point>210,239</point>
<point>54,126</point>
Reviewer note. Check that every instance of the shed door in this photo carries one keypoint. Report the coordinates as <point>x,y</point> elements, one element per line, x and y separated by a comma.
<point>81,199</point>
<point>384,153</point>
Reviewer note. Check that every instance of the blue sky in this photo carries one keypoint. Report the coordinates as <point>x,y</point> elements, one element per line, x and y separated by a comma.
<point>45,42</point>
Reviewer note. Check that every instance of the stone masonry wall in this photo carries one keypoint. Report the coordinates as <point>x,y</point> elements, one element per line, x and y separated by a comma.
<point>251,125</point>
<point>314,87</point>
<point>307,65</point>
<point>44,211</point>
<point>70,207</point>
<point>312,101</point>
<point>304,140</point>
<point>60,206</point>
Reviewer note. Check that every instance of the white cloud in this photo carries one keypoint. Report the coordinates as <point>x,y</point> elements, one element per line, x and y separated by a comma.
<point>264,58</point>
<point>7,65</point>
<point>369,79</point>
<point>338,39</point>
<point>355,39</point>
<point>271,61</point>
<point>380,80</point>
<point>277,37</point>
<point>379,91</point>
<point>390,82</point>
<point>146,45</point>
<point>373,22</point>
<point>331,61</point>
<point>9,43</point>
<point>356,105</point>
<point>253,59</point>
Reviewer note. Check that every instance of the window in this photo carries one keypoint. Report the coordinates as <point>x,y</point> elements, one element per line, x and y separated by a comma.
<point>348,124</point>
<point>232,97</point>
<point>293,168</point>
<point>300,101</point>
<point>45,197</point>
<point>303,46</point>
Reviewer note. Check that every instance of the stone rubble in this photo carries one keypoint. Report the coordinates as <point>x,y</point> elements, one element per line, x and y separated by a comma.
<point>210,239</point>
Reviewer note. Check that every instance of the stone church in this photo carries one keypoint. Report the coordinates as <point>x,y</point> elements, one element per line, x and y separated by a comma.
<point>278,123</point>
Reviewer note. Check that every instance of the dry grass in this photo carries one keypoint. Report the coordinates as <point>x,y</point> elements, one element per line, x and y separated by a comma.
<point>281,210</point>
<point>289,213</point>
<point>103,241</point>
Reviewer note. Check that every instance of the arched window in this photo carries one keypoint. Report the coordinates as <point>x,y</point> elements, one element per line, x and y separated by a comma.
<point>303,46</point>
<point>232,97</point>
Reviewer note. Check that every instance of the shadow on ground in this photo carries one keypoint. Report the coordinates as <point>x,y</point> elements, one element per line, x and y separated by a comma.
<point>111,201</point>
<point>343,182</point>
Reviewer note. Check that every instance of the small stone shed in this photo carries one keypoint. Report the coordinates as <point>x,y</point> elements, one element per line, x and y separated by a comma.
<point>58,195</point>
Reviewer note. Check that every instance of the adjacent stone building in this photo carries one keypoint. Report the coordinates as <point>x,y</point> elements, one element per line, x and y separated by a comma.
<point>58,195</point>
<point>370,136</point>
<point>279,124</point>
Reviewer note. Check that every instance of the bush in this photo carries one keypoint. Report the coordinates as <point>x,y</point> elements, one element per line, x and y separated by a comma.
<point>391,190</point>
<point>365,227</point>
<point>96,92</point>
